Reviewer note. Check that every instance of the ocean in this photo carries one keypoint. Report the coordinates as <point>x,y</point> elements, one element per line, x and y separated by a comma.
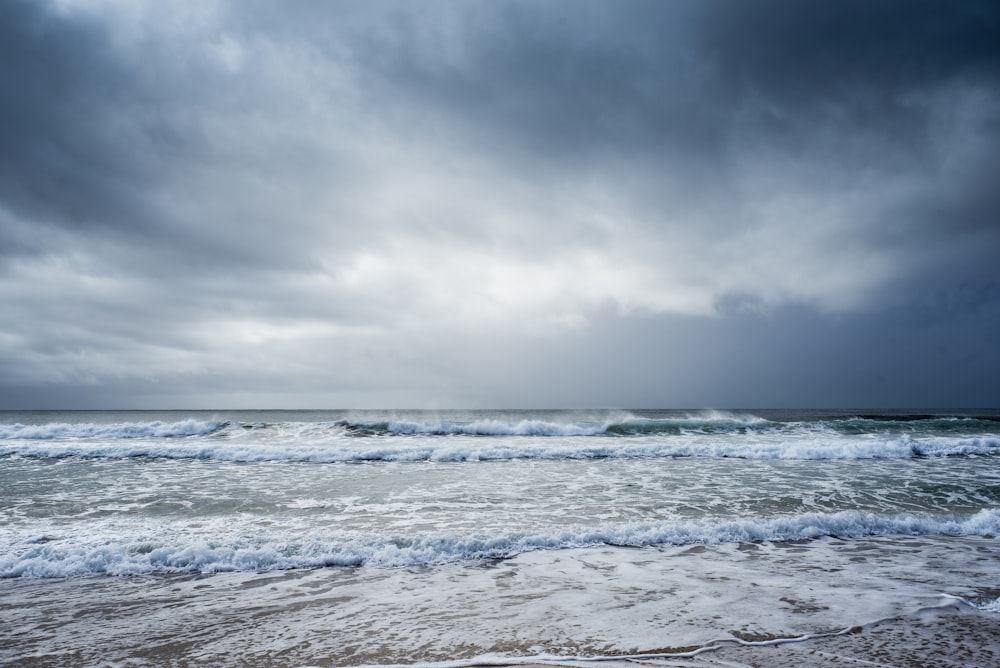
<point>347,538</point>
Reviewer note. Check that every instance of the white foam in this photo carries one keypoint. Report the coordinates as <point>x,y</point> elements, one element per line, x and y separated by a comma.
<point>622,424</point>
<point>497,428</point>
<point>120,547</point>
<point>125,430</point>
<point>339,448</point>
<point>571,607</point>
<point>989,606</point>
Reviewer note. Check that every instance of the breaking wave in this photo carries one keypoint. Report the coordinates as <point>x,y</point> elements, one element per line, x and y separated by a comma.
<point>708,422</point>
<point>625,425</point>
<point>348,450</point>
<point>705,434</point>
<point>117,549</point>
<point>123,430</point>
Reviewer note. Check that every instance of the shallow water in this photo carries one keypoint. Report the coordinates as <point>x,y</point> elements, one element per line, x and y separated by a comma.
<point>328,538</point>
<point>546,605</point>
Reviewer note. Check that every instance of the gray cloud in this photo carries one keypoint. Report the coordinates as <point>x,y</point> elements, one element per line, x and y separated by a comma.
<point>478,203</point>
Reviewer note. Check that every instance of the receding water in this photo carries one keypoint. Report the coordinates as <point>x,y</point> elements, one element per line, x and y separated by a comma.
<point>458,534</point>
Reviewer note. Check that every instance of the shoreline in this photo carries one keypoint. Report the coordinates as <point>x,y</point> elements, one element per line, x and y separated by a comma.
<point>951,635</point>
<point>816,603</point>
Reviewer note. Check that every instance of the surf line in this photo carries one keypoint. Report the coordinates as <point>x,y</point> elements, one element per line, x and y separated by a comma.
<point>487,661</point>
<point>495,661</point>
<point>748,640</point>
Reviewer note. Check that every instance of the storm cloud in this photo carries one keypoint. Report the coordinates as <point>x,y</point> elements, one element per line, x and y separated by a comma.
<point>431,204</point>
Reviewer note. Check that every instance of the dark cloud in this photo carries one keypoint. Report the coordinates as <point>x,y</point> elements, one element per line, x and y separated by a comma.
<point>797,53</point>
<point>431,203</point>
<point>678,79</point>
<point>690,100</point>
<point>65,158</point>
<point>564,86</point>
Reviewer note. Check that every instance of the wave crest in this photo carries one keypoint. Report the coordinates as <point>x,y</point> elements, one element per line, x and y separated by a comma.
<point>445,450</point>
<point>140,549</point>
<point>627,425</point>
<point>123,430</point>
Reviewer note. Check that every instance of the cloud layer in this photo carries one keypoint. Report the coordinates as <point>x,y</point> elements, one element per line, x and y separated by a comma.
<point>430,204</point>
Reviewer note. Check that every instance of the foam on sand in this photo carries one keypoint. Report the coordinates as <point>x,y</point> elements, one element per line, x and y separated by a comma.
<point>812,603</point>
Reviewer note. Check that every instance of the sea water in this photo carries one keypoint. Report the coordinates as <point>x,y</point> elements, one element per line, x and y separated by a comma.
<point>388,537</point>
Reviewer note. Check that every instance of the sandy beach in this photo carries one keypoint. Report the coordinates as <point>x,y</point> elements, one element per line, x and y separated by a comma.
<point>947,637</point>
<point>958,636</point>
<point>717,606</point>
<point>329,539</point>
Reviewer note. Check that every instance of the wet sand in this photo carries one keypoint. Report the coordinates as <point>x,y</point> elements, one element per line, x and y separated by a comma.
<point>949,636</point>
<point>957,637</point>
<point>952,636</point>
<point>897,601</point>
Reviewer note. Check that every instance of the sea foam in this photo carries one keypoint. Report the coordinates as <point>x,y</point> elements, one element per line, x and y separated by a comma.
<point>123,430</point>
<point>331,450</point>
<point>127,548</point>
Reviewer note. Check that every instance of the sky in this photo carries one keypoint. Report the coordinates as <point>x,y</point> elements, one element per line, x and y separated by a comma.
<point>413,204</point>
